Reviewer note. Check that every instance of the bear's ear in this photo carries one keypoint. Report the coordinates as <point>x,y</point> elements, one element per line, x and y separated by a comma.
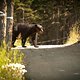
<point>35,25</point>
<point>39,28</point>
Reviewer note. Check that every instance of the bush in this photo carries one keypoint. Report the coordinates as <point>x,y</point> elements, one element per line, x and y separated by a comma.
<point>12,72</point>
<point>74,34</point>
<point>11,67</point>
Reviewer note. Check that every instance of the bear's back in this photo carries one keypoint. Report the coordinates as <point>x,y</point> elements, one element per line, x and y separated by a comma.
<point>26,29</point>
<point>22,27</point>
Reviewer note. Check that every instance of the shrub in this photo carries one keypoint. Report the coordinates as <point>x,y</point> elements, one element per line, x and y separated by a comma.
<point>11,67</point>
<point>74,34</point>
<point>12,72</point>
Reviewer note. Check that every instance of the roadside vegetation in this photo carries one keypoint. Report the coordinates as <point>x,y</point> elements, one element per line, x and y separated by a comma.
<point>74,34</point>
<point>11,64</point>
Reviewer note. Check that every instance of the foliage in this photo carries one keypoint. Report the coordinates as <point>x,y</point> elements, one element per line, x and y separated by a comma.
<point>74,34</point>
<point>57,16</point>
<point>7,57</point>
<point>10,56</point>
<point>29,14</point>
<point>14,72</point>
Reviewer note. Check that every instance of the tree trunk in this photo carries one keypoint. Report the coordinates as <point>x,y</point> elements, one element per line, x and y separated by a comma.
<point>9,23</point>
<point>2,20</point>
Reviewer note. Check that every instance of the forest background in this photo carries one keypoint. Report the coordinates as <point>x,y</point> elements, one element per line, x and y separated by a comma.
<point>60,18</point>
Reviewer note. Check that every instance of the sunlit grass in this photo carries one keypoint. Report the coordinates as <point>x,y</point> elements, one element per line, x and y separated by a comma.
<point>73,35</point>
<point>8,61</point>
<point>18,42</point>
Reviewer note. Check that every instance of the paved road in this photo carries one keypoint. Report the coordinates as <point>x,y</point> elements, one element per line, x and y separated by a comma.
<point>62,63</point>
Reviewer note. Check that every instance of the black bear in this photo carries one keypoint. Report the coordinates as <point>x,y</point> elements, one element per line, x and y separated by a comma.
<point>26,30</point>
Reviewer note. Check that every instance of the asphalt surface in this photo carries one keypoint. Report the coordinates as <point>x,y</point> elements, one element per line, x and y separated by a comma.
<point>62,63</point>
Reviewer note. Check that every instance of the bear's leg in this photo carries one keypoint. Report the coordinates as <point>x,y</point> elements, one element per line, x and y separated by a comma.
<point>34,40</point>
<point>23,39</point>
<point>14,36</point>
<point>13,41</point>
<point>23,42</point>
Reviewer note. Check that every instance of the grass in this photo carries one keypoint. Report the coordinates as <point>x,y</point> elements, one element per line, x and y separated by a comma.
<point>18,42</point>
<point>74,34</point>
<point>7,57</point>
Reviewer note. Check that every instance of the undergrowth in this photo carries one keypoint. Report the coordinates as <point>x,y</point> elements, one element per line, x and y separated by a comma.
<point>74,34</point>
<point>7,59</point>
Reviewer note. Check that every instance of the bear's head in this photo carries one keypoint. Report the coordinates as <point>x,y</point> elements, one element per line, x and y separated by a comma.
<point>39,28</point>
